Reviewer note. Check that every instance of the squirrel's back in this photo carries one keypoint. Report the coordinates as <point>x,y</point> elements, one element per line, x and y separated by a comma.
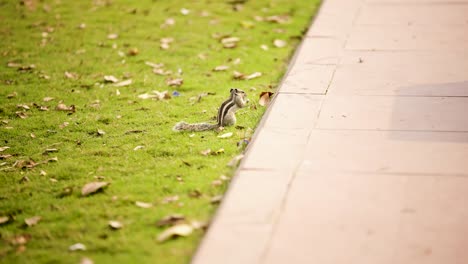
<point>183,126</point>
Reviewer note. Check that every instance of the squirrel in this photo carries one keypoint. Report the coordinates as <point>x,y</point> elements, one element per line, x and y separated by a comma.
<point>226,114</point>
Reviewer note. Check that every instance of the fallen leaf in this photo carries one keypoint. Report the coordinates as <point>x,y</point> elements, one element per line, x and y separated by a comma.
<point>216,199</point>
<point>161,71</point>
<point>42,173</point>
<point>237,75</point>
<point>155,95</point>
<point>279,43</point>
<point>101,132</point>
<point>21,115</point>
<point>63,107</point>
<point>280,19</point>
<point>123,83</point>
<point>154,65</point>
<point>205,152</point>
<point>112,36</point>
<point>67,191</point>
<point>65,124</point>
<point>170,199</point>
<point>12,95</point>
<point>77,246</point>
<point>71,75</point>
<point>143,204</point>
<point>20,239</point>
<point>93,187</point>
<point>175,231</point>
<point>217,183</point>
<point>13,65</point>
<point>4,219</point>
<point>175,82</point>
<point>24,106</point>
<point>5,156</point>
<point>234,161</point>
<point>226,135</point>
<point>247,24</point>
<point>253,76</point>
<point>86,260</point>
<point>264,47</point>
<point>168,22</point>
<point>32,221</point>
<point>138,147</point>
<point>47,99</point>
<point>4,148</point>
<point>170,220</point>
<point>115,224</point>
<point>184,11</point>
<point>82,26</point>
<point>133,52</point>
<point>219,151</point>
<point>221,68</point>
<point>224,178</point>
<point>110,78</point>
<point>195,194</point>
<point>236,61</point>
<point>265,98</point>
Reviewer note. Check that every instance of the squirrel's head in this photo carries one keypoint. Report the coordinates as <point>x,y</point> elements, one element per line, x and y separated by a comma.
<point>240,97</point>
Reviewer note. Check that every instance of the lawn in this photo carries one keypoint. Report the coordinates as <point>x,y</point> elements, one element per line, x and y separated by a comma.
<point>77,105</point>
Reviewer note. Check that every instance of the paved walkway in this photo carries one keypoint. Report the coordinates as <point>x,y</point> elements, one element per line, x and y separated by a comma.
<point>363,156</point>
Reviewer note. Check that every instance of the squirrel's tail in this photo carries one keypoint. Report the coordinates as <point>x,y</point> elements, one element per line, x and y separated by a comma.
<point>183,126</point>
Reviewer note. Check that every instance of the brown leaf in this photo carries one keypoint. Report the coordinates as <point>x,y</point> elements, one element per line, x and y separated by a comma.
<point>175,231</point>
<point>279,43</point>
<point>230,42</point>
<point>5,156</point>
<point>110,78</point>
<point>76,247</point>
<point>143,204</point>
<point>221,68</point>
<point>280,19</point>
<point>264,47</point>
<point>123,83</point>
<point>47,99</point>
<point>4,219</point>
<point>63,107</point>
<point>12,95</point>
<point>253,76</point>
<point>112,36</point>
<point>115,224</point>
<point>161,71</point>
<point>93,187</point>
<point>71,75</point>
<point>170,199</point>
<point>205,152</point>
<point>86,260</point>
<point>226,135</point>
<point>195,194</point>
<point>21,115</point>
<point>101,132</point>
<point>154,65</point>
<point>175,82</point>
<point>170,220</point>
<point>216,199</point>
<point>32,221</point>
<point>24,106</point>
<point>238,76</point>
<point>133,52</point>
<point>217,183</point>
<point>4,148</point>
<point>265,98</point>
<point>20,239</point>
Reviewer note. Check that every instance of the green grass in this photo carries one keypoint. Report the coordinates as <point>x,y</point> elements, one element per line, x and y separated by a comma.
<point>149,174</point>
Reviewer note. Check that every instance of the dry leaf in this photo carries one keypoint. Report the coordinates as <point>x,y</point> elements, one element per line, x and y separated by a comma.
<point>175,82</point>
<point>133,52</point>
<point>4,148</point>
<point>247,24</point>
<point>101,132</point>
<point>237,75</point>
<point>86,260</point>
<point>205,152</point>
<point>115,224</point>
<point>253,76</point>
<point>12,95</point>
<point>4,219</point>
<point>77,246</point>
<point>71,75</point>
<point>63,107</point>
<point>123,83</point>
<point>280,19</point>
<point>175,231</point>
<point>93,187</point>
<point>184,11</point>
<point>168,22</point>
<point>264,47</point>
<point>216,199</point>
<point>170,199</point>
<point>32,221</point>
<point>236,61</point>
<point>155,95</point>
<point>21,115</point>
<point>5,156</point>
<point>110,78</point>
<point>20,239</point>
<point>154,65</point>
<point>170,220</point>
<point>219,151</point>
<point>217,183</point>
<point>138,147</point>
<point>230,42</point>
<point>47,99</point>
<point>24,106</point>
<point>112,36</point>
<point>221,68</point>
<point>226,135</point>
<point>265,98</point>
<point>279,43</point>
<point>143,204</point>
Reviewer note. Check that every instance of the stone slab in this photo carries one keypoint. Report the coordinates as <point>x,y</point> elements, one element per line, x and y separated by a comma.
<point>397,152</point>
<point>394,113</point>
<point>372,218</point>
<point>308,78</point>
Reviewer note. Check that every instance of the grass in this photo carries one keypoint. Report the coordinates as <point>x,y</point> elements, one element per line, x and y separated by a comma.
<point>48,35</point>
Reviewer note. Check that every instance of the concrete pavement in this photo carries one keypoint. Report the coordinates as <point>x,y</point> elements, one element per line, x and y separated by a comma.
<point>363,155</point>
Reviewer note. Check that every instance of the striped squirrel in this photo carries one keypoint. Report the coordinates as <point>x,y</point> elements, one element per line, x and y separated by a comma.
<point>226,114</point>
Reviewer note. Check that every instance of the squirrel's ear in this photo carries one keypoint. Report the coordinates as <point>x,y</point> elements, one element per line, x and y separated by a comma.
<point>231,90</point>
